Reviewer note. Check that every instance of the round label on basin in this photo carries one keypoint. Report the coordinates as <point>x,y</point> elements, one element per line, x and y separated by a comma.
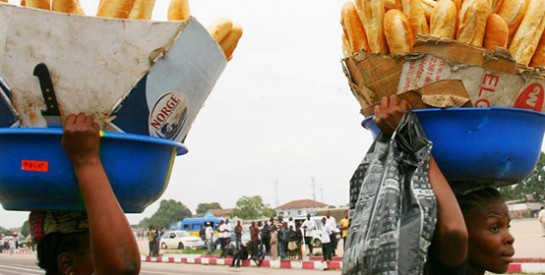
<point>168,115</point>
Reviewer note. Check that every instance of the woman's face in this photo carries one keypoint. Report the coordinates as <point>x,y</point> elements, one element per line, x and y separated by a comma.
<point>490,243</point>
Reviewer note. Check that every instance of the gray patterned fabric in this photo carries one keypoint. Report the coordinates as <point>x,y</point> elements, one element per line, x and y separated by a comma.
<point>394,215</point>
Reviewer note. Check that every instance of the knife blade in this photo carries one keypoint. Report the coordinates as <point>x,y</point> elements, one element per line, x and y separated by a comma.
<point>52,112</point>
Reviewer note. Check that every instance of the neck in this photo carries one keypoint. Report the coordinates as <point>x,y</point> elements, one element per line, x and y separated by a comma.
<point>473,271</point>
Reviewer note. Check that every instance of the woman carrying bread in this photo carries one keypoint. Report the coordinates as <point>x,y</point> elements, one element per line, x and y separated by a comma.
<point>472,231</point>
<point>81,242</point>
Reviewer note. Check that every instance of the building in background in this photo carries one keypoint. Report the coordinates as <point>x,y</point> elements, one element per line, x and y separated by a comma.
<point>298,208</point>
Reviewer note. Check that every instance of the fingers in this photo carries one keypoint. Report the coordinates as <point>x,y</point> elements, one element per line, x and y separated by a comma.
<point>80,122</point>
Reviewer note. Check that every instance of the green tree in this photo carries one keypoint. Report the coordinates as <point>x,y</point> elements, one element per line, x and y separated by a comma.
<point>252,208</point>
<point>170,211</point>
<point>203,207</point>
<point>533,185</point>
<point>24,228</point>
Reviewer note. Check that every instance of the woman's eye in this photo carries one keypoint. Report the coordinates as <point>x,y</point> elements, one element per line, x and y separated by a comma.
<point>495,228</point>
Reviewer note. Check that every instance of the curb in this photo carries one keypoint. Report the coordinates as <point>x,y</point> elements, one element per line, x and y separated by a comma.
<point>527,265</point>
<point>19,251</point>
<point>312,265</point>
<point>520,265</point>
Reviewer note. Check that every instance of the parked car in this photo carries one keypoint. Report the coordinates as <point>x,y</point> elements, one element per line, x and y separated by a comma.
<point>179,239</point>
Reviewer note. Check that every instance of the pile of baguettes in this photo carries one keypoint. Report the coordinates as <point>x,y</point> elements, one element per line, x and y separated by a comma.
<point>223,31</point>
<point>390,26</point>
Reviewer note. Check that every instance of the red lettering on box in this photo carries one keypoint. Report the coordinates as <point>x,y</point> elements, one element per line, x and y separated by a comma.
<point>531,98</point>
<point>35,165</point>
<point>492,80</point>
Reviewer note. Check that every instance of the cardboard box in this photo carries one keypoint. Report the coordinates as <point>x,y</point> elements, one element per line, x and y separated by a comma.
<point>445,73</point>
<point>143,77</point>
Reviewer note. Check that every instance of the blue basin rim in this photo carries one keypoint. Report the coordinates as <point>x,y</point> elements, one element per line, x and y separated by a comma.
<point>474,109</point>
<point>181,149</point>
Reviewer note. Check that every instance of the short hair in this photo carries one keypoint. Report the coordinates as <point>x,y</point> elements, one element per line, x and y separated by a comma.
<point>53,244</point>
<point>473,200</point>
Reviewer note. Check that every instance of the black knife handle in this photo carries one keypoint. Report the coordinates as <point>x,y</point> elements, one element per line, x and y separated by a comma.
<point>42,72</point>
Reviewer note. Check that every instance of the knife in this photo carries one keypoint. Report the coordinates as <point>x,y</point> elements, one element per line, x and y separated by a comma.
<point>52,113</point>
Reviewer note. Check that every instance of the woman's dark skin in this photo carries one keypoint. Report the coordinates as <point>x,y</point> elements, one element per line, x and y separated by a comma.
<point>107,221</point>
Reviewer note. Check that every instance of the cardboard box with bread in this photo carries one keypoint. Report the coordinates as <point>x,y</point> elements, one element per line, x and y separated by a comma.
<point>494,49</point>
<point>101,64</point>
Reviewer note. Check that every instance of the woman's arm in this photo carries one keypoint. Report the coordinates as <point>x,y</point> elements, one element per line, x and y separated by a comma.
<point>113,246</point>
<point>450,241</point>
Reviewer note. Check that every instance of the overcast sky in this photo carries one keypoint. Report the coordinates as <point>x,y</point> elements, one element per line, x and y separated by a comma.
<point>281,111</point>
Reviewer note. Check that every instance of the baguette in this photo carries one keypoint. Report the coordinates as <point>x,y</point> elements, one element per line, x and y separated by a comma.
<point>5,1</point>
<point>37,4</point>
<point>398,32</point>
<point>142,9</point>
<point>353,28</point>
<point>529,32</point>
<point>178,10</point>
<point>472,22</point>
<point>538,59</point>
<point>67,6</point>
<point>219,29</point>
<point>495,5</point>
<point>512,12</point>
<point>497,32</point>
<point>230,41</point>
<point>428,6</point>
<point>392,4</point>
<point>443,20</point>
<point>371,15</point>
<point>458,4</point>
<point>415,13</point>
<point>347,51</point>
<point>115,8</point>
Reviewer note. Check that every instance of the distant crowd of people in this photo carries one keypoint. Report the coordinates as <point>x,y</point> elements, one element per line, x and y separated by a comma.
<point>277,238</point>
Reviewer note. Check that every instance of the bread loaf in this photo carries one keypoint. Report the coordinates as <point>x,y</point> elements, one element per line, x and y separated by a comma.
<point>391,4</point>
<point>496,33</point>
<point>529,32</point>
<point>114,8</point>
<point>472,22</point>
<point>37,4</point>
<point>512,12</point>
<point>67,6</point>
<point>415,13</point>
<point>495,5</point>
<point>353,28</point>
<point>371,15</point>
<point>398,32</point>
<point>538,60</point>
<point>219,29</point>
<point>458,4</point>
<point>142,9</point>
<point>347,51</point>
<point>428,6</point>
<point>178,10</point>
<point>230,41</point>
<point>444,19</point>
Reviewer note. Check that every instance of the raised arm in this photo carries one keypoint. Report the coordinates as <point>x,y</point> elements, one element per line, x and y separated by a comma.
<point>107,221</point>
<point>450,240</point>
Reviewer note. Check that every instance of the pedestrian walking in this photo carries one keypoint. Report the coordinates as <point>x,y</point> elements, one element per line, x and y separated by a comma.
<point>541,219</point>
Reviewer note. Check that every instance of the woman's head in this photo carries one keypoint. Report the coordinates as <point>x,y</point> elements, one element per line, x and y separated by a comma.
<point>65,253</point>
<point>487,220</point>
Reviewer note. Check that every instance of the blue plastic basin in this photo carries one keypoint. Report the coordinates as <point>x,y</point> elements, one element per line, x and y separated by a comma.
<point>500,145</point>
<point>35,172</point>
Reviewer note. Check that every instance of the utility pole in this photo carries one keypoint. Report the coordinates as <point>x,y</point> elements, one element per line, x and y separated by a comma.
<point>313,190</point>
<point>276,191</point>
<point>313,184</point>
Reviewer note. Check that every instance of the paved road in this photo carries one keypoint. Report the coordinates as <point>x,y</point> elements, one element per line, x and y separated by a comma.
<point>528,240</point>
<point>26,264</point>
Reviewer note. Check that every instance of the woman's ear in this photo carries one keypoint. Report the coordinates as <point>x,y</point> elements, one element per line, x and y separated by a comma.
<point>65,263</point>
